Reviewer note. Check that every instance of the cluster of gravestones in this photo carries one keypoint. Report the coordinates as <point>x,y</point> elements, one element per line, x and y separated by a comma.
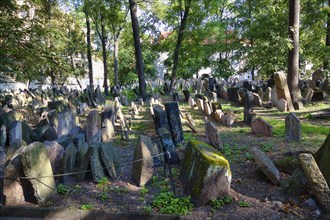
<point>41,136</point>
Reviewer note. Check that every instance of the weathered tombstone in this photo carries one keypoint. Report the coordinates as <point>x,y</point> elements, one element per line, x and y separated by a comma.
<point>230,117</point>
<point>96,163</point>
<point>318,184</point>
<point>143,167</point>
<point>55,153</point>
<point>298,105</point>
<point>282,105</point>
<point>168,145</point>
<point>50,134</point>
<point>216,106</point>
<point>282,89</point>
<point>2,171</point>
<point>15,132</point>
<point>248,108</point>
<point>260,126</point>
<point>205,173</point>
<point>160,117</point>
<point>70,163</point>
<point>318,96</point>
<point>186,94</point>
<point>191,103</point>
<point>233,94</point>
<point>200,104</point>
<point>189,118</point>
<point>266,165</point>
<point>174,120</point>
<point>267,95</point>
<point>108,130</point>
<point>292,128</point>
<point>36,163</point>
<point>84,153</point>
<point>308,94</point>
<point>207,108</point>
<point>110,159</point>
<point>217,115</point>
<point>3,135</point>
<point>93,125</point>
<point>212,135</point>
<point>213,96</point>
<point>322,157</point>
<point>274,98</point>
<point>66,121</point>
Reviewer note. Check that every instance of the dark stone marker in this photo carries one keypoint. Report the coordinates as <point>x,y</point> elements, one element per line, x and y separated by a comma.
<point>160,117</point>
<point>248,108</point>
<point>168,145</point>
<point>174,120</point>
<point>186,94</point>
<point>292,128</point>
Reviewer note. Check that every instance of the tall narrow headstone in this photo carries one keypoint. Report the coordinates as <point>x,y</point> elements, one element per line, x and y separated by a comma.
<point>292,128</point>
<point>174,120</point>
<point>212,135</point>
<point>66,121</point>
<point>93,125</point>
<point>15,131</point>
<point>248,108</point>
<point>282,89</point>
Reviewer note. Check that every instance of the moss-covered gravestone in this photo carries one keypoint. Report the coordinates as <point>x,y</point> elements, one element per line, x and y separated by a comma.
<point>322,157</point>
<point>205,173</point>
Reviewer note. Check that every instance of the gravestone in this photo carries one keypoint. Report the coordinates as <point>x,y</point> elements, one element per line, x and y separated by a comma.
<point>66,121</point>
<point>266,165</point>
<point>257,100</point>
<point>108,130</point>
<point>110,159</point>
<point>260,126</point>
<point>292,128</point>
<point>298,105</point>
<point>143,167</point>
<point>70,163</point>
<point>214,96</point>
<point>55,153</point>
<point>322,157</point>
<point>308,94</point>
<point>282,105</point>
<point>36,163</point>
<point>274,98</point>
<point>93,125</point>
<point>3,135</point>
<point>200,104</point>
<point>84,153</point>
<point>248,108</point>
<point>160,117</point>
<point>15,131</point>
<point>230,117</point>
<point>174,121</point>
<point>282,89</point>
<point>217,115</point>
<point>212,135</point>
<point>186,94</point>
<point>168,145</point>
<point>205,174</point>
<point>267,95</point>
<point>191,103</point>
<point>318,184</point>
<point>96,163</point>
<point>233,94</point>
<point>207,108</point>
<point>216,106</point>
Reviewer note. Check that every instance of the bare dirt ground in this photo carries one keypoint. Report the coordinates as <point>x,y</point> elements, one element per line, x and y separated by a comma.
<point>249,185</point>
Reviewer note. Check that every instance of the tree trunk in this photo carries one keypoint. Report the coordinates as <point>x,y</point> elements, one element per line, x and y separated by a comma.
<point>115,55</point>
<point>178,44</point>
<point>293,59</point>
<point>138,50</point>
<point>89,51</point>
<point>104,54</point>
<point>327,41</point>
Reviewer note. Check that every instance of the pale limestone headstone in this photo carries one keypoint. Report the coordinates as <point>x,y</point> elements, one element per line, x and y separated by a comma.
<point>282,89</point>
<point>308,94</point>
<point>230,117</point>
<point>207,108</point>
<point>66,121</point>
<point>108,130</point>
<point>282,105</point>
<point>292,128</point>
<point>200,104</point>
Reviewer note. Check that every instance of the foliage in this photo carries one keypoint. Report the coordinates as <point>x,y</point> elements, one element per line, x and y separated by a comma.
<point>63,189</point>
<point>86,207</point>
<point>244,204</point>
<point>218,203</point>
<point>167,203</point>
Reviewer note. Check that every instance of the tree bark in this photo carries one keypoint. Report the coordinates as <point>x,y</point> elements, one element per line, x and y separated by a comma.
<point>138,50</point>
<point>178,43</point>
<point>89,51</point>
<point>115,55</point>
<point>104,54</point>
<point>327,41</point>
<point>293,58</point>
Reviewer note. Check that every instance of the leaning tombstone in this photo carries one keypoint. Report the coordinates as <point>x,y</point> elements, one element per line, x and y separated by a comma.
<point>70,163</point>
<point>15,132</point>
<point>168,145</point>
<point>212,135</point>
<point>322,157</point>
<point>96,163</point>
<point>292,128</point>
<point>108,130</point>
<point>248,108</point>
<point>110,159</point>
<point>143,161</point>
<point>230,117</point>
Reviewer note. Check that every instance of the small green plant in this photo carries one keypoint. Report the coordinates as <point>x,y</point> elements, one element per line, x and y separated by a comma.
<point>118,189</point>
<point>248,156</point>
<point>86,207</point>
<point>218,203</point>
<point>159,182</point>
<point>266,147</point>
<point>244,204</point>
<point>63,189</point>
<point>103,182</point>
<point>147,209</point>
<point>144,191</point>
<point>103,186</point>
<point>167,203</point>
